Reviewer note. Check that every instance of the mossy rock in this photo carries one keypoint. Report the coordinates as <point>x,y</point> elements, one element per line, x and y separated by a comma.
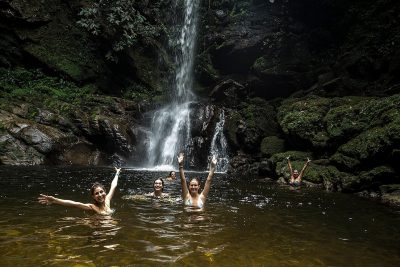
<point>373,144</point>
<point>391,199</point>
<point>253,125</point>
<point>255,113</point>
<point>205,71</point>
<point>261,64</point>
<point>347,120</point>
<point>358,114</point>
<point>231,123</point>
<point>369,180</point>
<point>344,162</point>
<point>330,176</point>
<point>324,122</point>
<point>390,188</point>
<point>64,51</point>
<point>303,119</point>
<point>271,145</point>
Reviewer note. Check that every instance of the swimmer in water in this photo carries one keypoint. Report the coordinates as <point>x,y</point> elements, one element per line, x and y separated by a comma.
<point>191,196</point>
<point>171,176</point>
<point>101,199</point>
<point>295,176</point>
<point>158,187</point>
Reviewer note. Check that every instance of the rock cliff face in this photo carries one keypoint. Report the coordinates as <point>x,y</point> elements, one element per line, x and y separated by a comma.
<point>310,78</point>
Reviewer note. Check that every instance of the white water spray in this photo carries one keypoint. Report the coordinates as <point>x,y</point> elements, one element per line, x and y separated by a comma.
<point>171,125</point>
<point>219,146</point>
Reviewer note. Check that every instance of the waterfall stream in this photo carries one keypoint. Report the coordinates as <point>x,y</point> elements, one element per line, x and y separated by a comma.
<point>219,146</point>
<point>170,131</point>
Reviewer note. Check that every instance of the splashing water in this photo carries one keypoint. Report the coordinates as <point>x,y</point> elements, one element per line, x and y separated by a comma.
<point>171,125</point>
<point>219,145</point>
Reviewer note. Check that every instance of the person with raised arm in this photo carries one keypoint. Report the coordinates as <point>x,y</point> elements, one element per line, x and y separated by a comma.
<point>98,192</point>
<point>295,176</point>
<point>191,196</point>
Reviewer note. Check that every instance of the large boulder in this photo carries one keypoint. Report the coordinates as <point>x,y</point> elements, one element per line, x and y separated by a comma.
<point>247,127</point>
<point>271,145</point>
<point>370,180</point>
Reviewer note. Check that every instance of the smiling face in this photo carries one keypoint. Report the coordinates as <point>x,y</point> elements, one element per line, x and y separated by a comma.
<point>194,186</point>
<point>158,185</point>
<point>99,194</point>
<point>295,173</point>
<point>172,175</point>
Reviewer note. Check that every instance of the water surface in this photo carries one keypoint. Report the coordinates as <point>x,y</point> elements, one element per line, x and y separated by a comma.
<point>244,224</point>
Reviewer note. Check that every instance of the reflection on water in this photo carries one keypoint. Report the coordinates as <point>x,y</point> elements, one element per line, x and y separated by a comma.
<point>256,224</point>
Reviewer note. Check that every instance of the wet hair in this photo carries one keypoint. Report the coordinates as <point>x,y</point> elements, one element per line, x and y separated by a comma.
<point>162,182</point>
<point>95,185</point>
<point>170,173</point>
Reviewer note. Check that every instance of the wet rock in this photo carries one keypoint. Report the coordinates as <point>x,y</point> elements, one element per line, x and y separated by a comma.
<point>228,92</point>
<point>271,145</point>
<point>247,127</point>
<point>266,168</point>
<point>241,166</point>
<point>369,180</point>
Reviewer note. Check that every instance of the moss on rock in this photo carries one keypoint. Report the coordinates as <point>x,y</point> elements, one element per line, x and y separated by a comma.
<point>272,145</point>
<point>303,119</point>
<point>369,180</point>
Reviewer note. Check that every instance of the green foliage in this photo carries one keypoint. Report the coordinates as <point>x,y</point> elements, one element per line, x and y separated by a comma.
<point>33,86</point>
<point>138,93</point>
<point>119,21</point>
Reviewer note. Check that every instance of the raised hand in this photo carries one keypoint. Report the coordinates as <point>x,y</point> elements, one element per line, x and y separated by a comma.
<point>308,160</point>
<point>288,157</point>
<point>43,199</point>
<point>180,159</point>
<point>118,170</point>
<point>213,161</point>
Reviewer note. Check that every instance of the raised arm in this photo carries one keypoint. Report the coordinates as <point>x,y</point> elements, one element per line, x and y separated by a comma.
<point>210,176</point>
<point>114,184</point>
<point>48,200</point>
<point>290,166</point>
<point>304,168</point>
<point>182,175</point>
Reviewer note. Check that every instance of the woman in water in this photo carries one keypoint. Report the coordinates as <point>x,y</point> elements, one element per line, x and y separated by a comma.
<point>191,197</point>
<point>171,176</point>
<point>101,199</point>
<point>295,176</point>
<point>158,187</point>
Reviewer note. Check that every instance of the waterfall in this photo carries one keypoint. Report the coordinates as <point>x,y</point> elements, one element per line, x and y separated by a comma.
<point>170,131</point>
<point>171,125</point>
<point>219,145</point>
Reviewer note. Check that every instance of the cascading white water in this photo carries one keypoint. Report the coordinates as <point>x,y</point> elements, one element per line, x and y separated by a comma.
<point>171,125</point>
<point>219,145</point>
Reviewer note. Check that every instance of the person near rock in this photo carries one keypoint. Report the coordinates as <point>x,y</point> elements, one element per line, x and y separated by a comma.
<point>158,186</point>
<point>191,196</point>
<point>171,176</point>
<point>295,176</point>
<point>101,199</point>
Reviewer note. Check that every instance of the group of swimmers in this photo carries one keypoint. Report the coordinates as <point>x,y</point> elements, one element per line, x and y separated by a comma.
<point>191,195</point>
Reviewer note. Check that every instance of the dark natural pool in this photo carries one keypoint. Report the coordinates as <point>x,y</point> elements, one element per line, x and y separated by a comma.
<point>244,224</point>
